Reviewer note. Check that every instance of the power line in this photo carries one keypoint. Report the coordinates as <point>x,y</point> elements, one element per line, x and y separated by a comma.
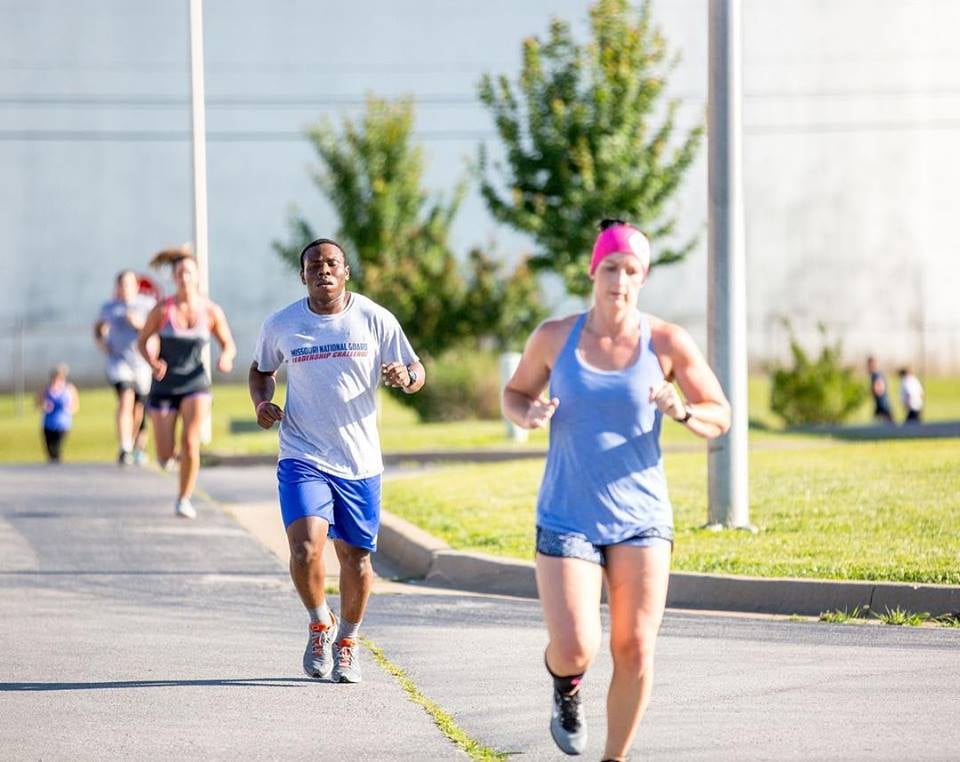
<point>928,125</point>
<point>429,99</point>
<point>182,136</point>
<point>285,136</point>
<point>228,101</point>
<point>344,69</point>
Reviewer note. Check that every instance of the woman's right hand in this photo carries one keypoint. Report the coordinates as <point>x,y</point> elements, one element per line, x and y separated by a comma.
<point>540,412</point>
<point>159,369</point>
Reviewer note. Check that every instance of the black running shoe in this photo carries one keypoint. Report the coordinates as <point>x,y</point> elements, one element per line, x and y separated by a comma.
<point>568,726</point>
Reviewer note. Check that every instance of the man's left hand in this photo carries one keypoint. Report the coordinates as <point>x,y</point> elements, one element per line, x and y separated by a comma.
<point>395,374</point>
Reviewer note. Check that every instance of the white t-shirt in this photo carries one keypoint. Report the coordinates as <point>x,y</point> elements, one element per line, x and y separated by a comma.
<point>124,361</point>
<point>333,371</point>
<point>911,392</point>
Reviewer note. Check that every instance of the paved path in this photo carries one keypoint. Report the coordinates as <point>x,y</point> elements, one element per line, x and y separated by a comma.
<point>129,634</point>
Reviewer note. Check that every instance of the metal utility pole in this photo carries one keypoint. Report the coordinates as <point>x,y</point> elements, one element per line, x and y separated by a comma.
<point>726,290</point>
<point>198,112</point>
<point>199,118</point>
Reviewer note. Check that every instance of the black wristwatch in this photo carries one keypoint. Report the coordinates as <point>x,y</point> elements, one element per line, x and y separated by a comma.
<point>413,378</point>
<point>685,418</point>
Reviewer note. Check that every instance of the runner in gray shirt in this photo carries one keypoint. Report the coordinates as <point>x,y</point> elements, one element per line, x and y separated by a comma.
<point>115,332</point>
<point>338,346</point>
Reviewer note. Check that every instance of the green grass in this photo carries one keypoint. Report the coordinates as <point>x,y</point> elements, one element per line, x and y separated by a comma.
<point>834,510</point>
<point>842,616</point>
<point>92,438</point>
<point>901,617</point>
<point>443,720</point>
<point>886,510</point>
<point>897,616</point>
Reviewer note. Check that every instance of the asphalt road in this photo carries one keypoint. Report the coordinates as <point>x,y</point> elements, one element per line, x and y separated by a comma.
<point>129,634</point>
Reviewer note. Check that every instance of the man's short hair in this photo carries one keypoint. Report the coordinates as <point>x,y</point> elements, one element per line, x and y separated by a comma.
<point>320,242</point>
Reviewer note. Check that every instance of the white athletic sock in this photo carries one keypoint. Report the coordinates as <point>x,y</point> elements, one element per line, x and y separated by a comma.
<point>347,630</point>
<point>126,445</point>
<point>320,614</point>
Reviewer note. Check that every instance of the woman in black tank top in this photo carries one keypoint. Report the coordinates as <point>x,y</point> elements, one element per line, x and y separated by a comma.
<point>184,324</point>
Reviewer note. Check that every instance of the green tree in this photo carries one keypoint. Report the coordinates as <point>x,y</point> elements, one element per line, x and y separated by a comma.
<point>397,238</point>
<point>586,136</point>
<point>507,306</point>
<point>395,234</point>
<point>815,390</point>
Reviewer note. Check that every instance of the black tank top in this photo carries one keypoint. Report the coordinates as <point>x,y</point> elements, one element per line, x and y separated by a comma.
<point>182,350</point>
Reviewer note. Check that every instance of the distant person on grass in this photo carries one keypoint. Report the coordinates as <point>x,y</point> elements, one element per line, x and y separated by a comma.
<point>116,332</point>
<point>603,509</point>
<point>882,410</point>
<point>59,400</point>
<point>338,345</point>
<point>911,395</point>
<point>180,391</point>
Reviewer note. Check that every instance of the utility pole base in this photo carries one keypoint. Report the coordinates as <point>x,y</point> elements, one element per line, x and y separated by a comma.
<point>717,527</point>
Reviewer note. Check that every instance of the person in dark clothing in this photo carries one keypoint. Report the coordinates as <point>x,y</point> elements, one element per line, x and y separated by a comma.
<point>882,411</point>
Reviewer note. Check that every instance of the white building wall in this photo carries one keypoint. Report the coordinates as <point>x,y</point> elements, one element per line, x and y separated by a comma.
<point>852,114</point>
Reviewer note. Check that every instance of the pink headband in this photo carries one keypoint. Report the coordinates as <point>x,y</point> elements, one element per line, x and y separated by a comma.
<point>620,239</point>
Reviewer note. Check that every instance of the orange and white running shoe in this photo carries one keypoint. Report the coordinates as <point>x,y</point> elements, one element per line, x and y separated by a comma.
<point>346,662</point>
<point>318,656</point>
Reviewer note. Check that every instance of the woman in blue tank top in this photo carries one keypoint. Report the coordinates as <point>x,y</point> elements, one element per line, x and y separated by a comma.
<point>603,508</point>
<point>184,324</point>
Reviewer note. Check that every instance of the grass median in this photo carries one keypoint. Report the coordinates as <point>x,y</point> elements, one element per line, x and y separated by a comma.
<point>833,510</point>
<point>884,510</point>
<point>234,431</point>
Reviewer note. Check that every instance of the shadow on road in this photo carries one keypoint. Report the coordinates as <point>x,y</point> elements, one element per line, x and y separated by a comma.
<point>255,682</point>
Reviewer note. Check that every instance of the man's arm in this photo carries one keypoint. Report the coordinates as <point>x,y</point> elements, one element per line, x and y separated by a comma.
<point>262,387</point>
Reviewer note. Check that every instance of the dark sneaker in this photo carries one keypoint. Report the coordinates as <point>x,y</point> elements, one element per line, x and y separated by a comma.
<point>125,458</point>
<point>346,662</point>
<point>318,656</point>
<point>568,726</point>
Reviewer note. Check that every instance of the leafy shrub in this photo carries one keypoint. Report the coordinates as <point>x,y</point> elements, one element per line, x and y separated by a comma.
<point>817,390</point>
<point>460,384</point>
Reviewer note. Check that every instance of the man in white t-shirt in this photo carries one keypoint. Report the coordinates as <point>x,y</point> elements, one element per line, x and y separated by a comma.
<point>911,395</point>
<point>338,345</point>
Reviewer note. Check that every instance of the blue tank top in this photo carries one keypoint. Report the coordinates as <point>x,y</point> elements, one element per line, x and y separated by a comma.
<point>604,475</point>
<point>56,410</point>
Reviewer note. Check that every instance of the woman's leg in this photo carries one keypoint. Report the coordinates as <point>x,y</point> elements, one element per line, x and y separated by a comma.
<point>637,579</point>
<point>139,425</point>
<point>125,401</point>
<point>52,439</point>
<point>164,428</point>
<point>569,590</point>
<point>192,410</point>
<point>570,597</point>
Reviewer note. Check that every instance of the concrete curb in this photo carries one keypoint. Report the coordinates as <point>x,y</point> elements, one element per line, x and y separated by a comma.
<point>423,457</point>
<point>419,554</point>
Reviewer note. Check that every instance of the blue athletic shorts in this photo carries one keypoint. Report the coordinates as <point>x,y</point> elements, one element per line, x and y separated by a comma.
<point>351,507</point>
<point>574,545</point>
